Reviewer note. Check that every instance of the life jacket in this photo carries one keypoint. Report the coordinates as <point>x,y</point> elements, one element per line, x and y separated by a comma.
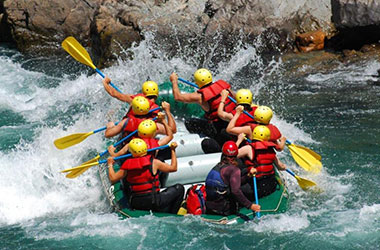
<point>152,104</point>
<point>196,200</point>
<point>211,94</point>
<point>140,175</point>
<point>275,134</point>
<point>216,189</point>
<point>263,158</point>
<point>151,143</point>
<point>244,119</point>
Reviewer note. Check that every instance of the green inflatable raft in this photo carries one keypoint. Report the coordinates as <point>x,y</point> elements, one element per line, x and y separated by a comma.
<point>276,202</point>
<point>179,109</point>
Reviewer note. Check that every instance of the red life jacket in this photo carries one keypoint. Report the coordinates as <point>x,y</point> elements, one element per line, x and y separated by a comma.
<point>263,158</point>
<point>151,143</point>
<point>140,175</point>
<point>244,119</point>
<point>275,134</point>
<point>152,104</point>
<point>211,94</point>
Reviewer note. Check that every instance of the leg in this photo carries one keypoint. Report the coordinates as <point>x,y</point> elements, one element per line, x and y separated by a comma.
<point>170,199</point>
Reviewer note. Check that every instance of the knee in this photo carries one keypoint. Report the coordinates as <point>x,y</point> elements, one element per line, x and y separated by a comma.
<point>180,189</point>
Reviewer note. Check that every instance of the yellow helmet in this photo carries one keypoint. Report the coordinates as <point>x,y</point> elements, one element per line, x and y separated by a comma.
<point>244,96</point>
<point>137,147</point>
<point>263,115</point>
<point>140,105</point>
<point>202,77</point>
<point>261,133</point>
<point>150,88</point>
<point>147,129</point>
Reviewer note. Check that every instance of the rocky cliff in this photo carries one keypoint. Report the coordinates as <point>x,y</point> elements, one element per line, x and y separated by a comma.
<point>107,26</point>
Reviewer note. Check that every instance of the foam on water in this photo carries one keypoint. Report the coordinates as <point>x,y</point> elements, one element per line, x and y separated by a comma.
<point>31,185</point>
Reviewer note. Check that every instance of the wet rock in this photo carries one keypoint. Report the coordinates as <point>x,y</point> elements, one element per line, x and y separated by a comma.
<point>109,26</point>
<point>354,13</point>
<point>310,41</point>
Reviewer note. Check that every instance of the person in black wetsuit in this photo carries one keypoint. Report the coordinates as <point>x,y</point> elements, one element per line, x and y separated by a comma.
<point>223,185</point>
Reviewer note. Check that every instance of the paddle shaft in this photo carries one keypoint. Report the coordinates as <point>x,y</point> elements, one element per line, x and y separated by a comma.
<point>256,196</point>
<point>129,155</point>
<point>113,85</point>
<point>291,172</point>
<point>127,137</point>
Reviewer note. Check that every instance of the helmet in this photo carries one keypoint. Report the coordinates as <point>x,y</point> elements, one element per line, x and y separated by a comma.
<point>263,115</point>
<point>137,147</point>
<point>150,88</point>
<point>230,148</point>
<point>244,96</point>
<point>147,129</point>
<point>202,77</point>
<point>140,105</point>
<point>261,133</point>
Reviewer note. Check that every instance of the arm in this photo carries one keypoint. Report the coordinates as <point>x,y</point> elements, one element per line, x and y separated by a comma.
<point>235,183</point>
<point>183,97</point>
<point>113,130</point>
<point>221,113</point>
<point>123,151</point>
<point>280,165</point>
<point>237,130</point>
<point>171,121</point>
<point>114,177</point>
<point>169,134</point>
<point>241,138</point>
<point>245,151</point>
<point>114,93</point>
<point>164,167</point>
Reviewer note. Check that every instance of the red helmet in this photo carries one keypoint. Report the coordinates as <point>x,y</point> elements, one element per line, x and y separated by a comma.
<point>230,148</point>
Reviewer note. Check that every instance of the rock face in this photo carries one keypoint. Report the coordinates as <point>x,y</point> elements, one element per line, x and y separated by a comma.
<point>107,26</point>
<point>355,13</point>
<point>357,23</point>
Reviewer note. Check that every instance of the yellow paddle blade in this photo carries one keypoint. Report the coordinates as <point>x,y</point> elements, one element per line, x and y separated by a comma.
<point>75,172</point>
<point>73,47</point>
<point>304,159</point>
<point>85,165</point>
<point>305,184</point>
<point>313,153</point>
<point>71,140</point>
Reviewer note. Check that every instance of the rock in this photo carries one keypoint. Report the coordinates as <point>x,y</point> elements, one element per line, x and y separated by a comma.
<point>355,13</point>
<point>109,26</point>
<point>37,25</point>
<point>310,41</point>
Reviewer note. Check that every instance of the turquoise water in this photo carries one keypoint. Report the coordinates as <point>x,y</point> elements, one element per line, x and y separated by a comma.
<point>333,110</point>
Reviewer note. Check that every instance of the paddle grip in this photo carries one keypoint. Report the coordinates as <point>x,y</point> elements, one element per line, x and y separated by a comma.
<point>100,73</point>
<point>256,196</point>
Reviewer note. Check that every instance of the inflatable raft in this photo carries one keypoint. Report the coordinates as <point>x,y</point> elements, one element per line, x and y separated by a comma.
<point>193,169</point>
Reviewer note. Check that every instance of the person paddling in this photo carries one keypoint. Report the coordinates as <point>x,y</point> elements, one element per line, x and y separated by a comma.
<point>223,184</point>
<point>244,98</point>
<point>140,112</point>
<point>262,115</point>
<point>208,97</point>
<point>259,156</point>
<point>141,174</point>
<point>150,91</point>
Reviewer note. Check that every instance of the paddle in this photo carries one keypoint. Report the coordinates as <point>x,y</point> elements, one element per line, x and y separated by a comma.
<point>302,182</point>
<point>305,184</point>
<point>76,172</point>
<point>304,157</point>
<point>73,139</point>
<point>256,196</point>
<point>73,47</point>
<point>91,164</point>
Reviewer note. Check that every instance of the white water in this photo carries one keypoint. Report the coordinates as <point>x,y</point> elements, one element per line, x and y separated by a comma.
<point>31,185</point>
